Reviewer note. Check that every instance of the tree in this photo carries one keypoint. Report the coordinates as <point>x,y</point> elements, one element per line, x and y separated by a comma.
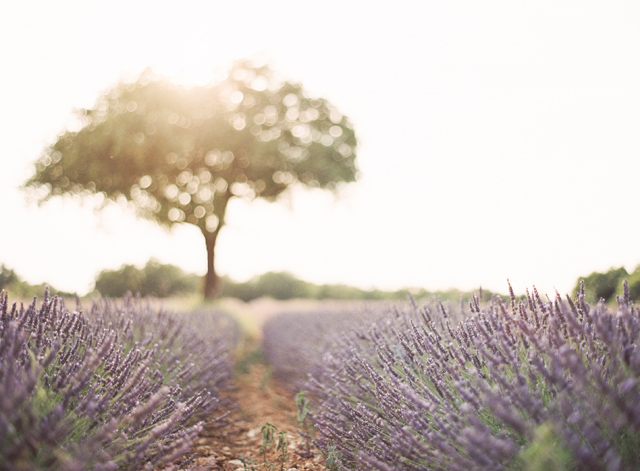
<point>633,285</point>
<point>7,277</point>
<point>283,285</point>
<point>602,285</point>
<point>178,154</point>
<point>155,279</point>
<point>163,280</point>
<point>115,283</point>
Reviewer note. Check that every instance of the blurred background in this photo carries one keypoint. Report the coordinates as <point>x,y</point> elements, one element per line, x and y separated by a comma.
<point>497,140</point>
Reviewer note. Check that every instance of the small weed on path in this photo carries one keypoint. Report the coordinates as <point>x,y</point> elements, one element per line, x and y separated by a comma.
<point>305,428</point>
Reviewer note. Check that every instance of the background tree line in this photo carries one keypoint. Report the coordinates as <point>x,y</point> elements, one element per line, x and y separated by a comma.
<point>165,280</point>
<point>156,279</point>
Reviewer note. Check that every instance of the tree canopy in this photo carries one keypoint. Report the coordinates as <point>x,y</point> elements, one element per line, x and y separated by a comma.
<point>179,154</point>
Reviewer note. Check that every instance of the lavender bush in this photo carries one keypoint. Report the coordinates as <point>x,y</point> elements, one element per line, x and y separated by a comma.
<point>535,384</point>
<point>121,387</point>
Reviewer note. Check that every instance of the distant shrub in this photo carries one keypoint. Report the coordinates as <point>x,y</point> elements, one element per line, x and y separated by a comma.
<point>633,285</point>
<point>121,387</point>
<point>276,285</point>
<point>283,285</point>
<point>602,285</point>
<point>7,277</point>
<point>244,291</point>
<point>116,283</point>
<point>10,281</point>
<point>154,279</point>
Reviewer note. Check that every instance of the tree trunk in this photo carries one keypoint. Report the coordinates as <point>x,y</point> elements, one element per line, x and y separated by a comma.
<point>211,279</point>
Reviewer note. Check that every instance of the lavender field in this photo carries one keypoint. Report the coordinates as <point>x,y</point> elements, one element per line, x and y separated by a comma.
<point>124,386</point>
<point>524,384</point>
<point>518,383</point>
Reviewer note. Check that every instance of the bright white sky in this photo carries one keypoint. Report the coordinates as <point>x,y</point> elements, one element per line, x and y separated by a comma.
<point>498,139</point>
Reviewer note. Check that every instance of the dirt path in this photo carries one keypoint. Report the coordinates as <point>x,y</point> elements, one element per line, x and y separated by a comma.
<point>237,445</point>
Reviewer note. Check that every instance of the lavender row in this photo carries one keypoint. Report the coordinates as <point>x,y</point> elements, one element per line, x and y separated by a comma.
<point>124,386</point>
<point>294,343</point>
<point>531,384</point>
